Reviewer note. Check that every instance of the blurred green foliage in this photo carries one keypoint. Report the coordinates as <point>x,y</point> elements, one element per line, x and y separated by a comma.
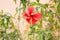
<point>7,24</point>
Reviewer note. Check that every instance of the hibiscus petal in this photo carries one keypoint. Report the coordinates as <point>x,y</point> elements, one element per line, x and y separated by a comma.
<point>30,9</point>
<point>25,15</point>
<point>28,20</point>
<point>34,21</point>
<point>37,16</point>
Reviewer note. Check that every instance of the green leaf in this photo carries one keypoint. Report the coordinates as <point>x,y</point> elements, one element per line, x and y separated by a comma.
<point>44,5</point>
<point>17,9</point>
<point>58,8</point>
<point>24,2</point>
<point>30,32</point>
<point>48,31</point>
<point>33,4</point>
<point>42,36</point>
<point>43,11</point>
<point>50,37</point>
<point>3,22</point>
<point>33,28</point>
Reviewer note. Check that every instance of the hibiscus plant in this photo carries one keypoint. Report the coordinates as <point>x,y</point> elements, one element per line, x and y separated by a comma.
<point>43,21</point>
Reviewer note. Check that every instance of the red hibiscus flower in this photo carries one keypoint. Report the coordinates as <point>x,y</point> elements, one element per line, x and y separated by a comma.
<point>31,17</point>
